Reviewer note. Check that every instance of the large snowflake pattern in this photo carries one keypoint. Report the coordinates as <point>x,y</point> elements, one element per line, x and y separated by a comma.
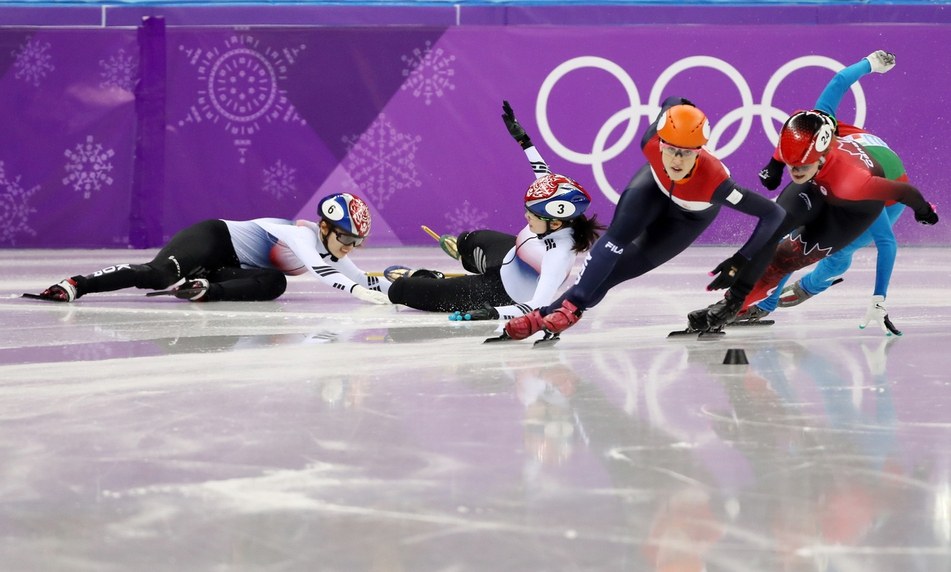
<point>465,218</point>
<point>15,208</point>
<point>241,87</point>
<point>118,71</point>
<point>33,61</point>
<point>428,72</point>
<point>280,180</point>
<point>88,167</point>
<point>381,161</point>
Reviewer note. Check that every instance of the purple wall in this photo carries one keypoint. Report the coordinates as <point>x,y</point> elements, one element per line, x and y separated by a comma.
<point>262,121</point>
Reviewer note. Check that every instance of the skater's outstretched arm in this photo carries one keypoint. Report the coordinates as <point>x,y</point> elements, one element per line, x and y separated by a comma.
<point>828,102</point>
<point>515,129</point>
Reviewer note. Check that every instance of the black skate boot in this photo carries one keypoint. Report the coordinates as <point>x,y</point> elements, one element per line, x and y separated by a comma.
<point>722,312</point>
<point>752,316</point>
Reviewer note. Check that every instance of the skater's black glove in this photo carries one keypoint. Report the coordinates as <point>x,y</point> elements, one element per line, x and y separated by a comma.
<point>727,272</point>
<point>927,216</point>
<point>772,174</point>
<point>515,128</point>
<point>487,312</point>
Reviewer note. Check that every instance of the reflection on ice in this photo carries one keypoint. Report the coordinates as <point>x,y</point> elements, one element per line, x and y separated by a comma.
<point>162,435</point>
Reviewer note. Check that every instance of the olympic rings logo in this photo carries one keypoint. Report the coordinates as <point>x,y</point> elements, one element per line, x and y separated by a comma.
<point>600,154</point>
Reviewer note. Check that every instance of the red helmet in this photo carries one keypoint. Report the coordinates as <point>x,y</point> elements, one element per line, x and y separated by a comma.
<point>684,126</point>
<point>805,138</point>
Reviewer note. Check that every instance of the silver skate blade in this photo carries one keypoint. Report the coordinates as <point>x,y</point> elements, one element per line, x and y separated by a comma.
<point>753,323</point>
<point>683,333</point>
<point>707,335</point>
<point>503,338</point>
<point>548,341</point>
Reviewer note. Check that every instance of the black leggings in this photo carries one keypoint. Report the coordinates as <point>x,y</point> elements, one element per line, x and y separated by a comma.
<point>481,252</point>
<point>203,250</point>
<point>816,229</point>
<point>647,230</point>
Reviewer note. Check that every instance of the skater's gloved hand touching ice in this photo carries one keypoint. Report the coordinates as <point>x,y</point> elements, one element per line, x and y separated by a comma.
<point>367,295</point>
<point>727,271</point>
<point>487,312</point>
<point>879,314</point>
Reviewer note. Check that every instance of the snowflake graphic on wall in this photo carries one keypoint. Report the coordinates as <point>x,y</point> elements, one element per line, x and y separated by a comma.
<point>241,87</point>
<point>32,62</point>
<point>280,180</point>
<point>428,72</point>
<point>465,218</point>
<point>15,209</point>
<point>381,161</point>
<point>88,167</point>
<point>118,71</point>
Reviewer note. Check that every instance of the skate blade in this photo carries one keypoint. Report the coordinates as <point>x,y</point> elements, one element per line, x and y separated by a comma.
<point>503,338</point>
<point>548,341</point>
<point>185,292</point>
<point>32,296</point>
<point>707,335</point>
<point>683,333</point>
<point>430,232</point>
<point>696,334</point>
<point>753,323</point>
<point>160,293</point>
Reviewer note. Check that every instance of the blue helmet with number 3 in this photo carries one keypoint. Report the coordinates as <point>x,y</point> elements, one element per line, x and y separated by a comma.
<point>556,197</point>
<point>347,212</point>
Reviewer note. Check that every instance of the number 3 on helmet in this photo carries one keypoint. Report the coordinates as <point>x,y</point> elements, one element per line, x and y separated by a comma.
<point>556,197</point>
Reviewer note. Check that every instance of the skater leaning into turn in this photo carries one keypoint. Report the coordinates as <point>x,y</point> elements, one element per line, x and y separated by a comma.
<point>669,202</point>
<point>511,274</point>
<point>838,190</point>
<point>247,260</point>
<point>829,270</point>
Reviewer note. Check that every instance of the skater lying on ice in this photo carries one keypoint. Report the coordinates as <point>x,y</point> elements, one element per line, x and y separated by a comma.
<point>511,274</point>
<point>246,260</point>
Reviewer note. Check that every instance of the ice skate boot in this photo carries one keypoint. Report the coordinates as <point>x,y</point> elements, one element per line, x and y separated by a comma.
<point>194,290</point>
<point>697,320</point>
<point>394,273</point>
<point>752,316</point>
<point>793,295</point>
<point>562,318</point>
<point>720,313</point>
<point>521,327</point>
<point>448,244</point>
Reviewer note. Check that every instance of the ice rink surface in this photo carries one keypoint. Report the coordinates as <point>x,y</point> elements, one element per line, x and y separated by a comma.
<point>317,432</point>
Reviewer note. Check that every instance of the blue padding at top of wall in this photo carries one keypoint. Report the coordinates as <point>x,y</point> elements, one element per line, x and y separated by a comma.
<point>124,13</point>
<point>462,2</point>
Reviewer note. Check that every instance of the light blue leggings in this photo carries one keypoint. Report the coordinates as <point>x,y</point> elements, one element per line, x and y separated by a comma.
<point>836,264</point>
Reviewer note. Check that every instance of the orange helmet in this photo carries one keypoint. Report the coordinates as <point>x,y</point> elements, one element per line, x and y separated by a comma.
<point>684,126</point>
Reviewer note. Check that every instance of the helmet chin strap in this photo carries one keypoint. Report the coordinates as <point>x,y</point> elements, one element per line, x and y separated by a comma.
<point>549,229</point>
<point>325,240</point>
